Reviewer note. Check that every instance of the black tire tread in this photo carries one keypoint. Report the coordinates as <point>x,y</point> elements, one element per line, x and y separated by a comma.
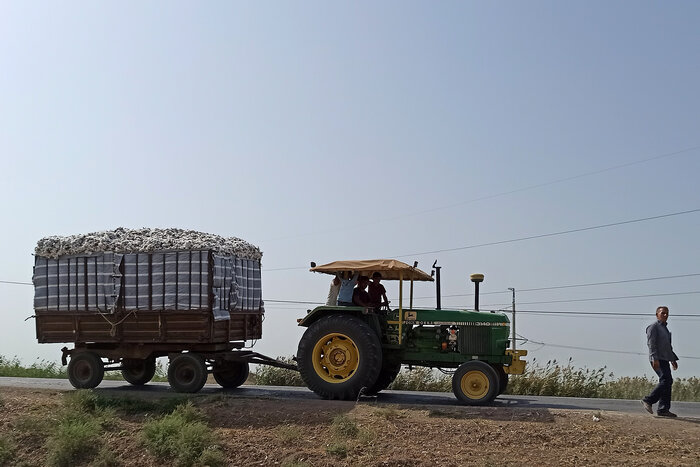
<point>197,364</point>
<point>96,366</point>
<point>142,373</point>
<point>488,370</point>
<point>364,337</point>
<point>231,374</point>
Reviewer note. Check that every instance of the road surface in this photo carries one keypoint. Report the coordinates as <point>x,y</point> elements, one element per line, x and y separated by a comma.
<point>683,409</point>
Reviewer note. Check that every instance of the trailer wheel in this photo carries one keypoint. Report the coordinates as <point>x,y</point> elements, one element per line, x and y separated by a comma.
<point>187,372</point>
<point>231,374</point>
<point>502,378</point>
<point>138,371</point>
<point>85,370</point>
<point>475,383</point>
<point>338,355</point>
<point>390,370</point>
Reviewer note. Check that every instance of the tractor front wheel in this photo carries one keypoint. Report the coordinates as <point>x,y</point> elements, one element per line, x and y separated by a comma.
<point>338,356</point>
<point>475,383</point>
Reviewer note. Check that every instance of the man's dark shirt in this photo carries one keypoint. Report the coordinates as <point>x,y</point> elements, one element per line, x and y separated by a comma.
<point>659,342</point>
<point>376,291</point>
<point>360,297</point>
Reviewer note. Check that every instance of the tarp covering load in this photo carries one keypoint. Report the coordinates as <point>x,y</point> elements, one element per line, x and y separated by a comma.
<point>128,270</point>
<point>390,269</point>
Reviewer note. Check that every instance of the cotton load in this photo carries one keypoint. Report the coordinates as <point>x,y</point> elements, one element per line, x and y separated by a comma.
<point>147,269</point>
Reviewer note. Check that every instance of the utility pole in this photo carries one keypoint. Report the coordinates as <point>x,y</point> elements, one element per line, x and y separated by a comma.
<point>512,289</point>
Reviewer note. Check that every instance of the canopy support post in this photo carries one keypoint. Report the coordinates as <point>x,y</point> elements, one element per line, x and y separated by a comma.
<point>400,306</point>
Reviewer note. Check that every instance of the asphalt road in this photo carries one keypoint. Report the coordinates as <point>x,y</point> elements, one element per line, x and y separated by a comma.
<point>683,409</point>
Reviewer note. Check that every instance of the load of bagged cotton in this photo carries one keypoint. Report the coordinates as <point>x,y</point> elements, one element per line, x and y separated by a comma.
<point>122,240</point>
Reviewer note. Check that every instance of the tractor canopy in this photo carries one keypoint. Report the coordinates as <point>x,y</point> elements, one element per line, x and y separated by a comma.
<point>390,269</point>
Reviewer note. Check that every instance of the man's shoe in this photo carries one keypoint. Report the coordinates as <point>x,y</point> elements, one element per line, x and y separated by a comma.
<point>666,413</point>
<point>647,407</point>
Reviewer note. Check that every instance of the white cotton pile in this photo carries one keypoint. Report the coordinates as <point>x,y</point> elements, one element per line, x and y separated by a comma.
<point>144,240</point>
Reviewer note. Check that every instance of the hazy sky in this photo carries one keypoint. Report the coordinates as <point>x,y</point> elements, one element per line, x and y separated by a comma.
<point>323,131</point>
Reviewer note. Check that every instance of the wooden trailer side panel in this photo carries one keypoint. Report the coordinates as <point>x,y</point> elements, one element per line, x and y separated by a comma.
<point>147,327</point>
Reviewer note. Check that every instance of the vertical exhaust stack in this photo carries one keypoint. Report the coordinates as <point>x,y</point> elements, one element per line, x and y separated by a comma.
<point>476,279</point>
<point>436,271</point>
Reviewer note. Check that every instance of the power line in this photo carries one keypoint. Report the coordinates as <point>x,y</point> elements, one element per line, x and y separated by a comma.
<point>497,195</point>
<point>574,347</point>
<point>552,234</point>
<point>589,284</point>
<point>595,313</point>
<point>600,298</point>
<point>15,282</point>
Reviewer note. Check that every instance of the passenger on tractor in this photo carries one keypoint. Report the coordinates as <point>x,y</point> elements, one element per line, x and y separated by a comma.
<point>377,292</point>
<point>333,291</point>
<point>347,282</point>
<point>360,297</point>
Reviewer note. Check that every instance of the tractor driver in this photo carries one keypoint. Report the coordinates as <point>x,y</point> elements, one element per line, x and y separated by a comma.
<point>377,292</point>
<point>360,297</point>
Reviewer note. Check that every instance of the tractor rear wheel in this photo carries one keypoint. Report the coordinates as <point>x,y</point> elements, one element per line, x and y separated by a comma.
<point>85,370</point>
<point>138,371</point>
<point>502,378</point>
<point>187,372</point>
<point>339,355</point>
<point>475,383</point>
<point>231,374</point>
<point>390,370</point>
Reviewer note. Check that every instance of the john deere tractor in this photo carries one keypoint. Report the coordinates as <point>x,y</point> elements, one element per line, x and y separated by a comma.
<point>351,350</point>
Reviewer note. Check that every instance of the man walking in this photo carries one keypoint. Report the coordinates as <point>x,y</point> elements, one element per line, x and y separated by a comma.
<point>662,357</point>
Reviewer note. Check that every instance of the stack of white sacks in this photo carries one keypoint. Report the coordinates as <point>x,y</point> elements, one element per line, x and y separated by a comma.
<point>145,240</point>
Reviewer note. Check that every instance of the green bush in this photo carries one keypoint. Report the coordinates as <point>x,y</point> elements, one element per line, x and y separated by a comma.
<point>182,436</point>
<point>7,450</point>
<point>266,375</point>
<point>553,379</point>
<point>77,435</point>
<point>344,427</point>
<point>39,369</point>
<point>74,440</point>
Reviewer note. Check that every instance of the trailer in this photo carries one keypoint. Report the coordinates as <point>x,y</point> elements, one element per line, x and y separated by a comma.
<point>124,298</point>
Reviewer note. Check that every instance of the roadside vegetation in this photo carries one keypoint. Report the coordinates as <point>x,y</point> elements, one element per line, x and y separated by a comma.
<point>549,379</point>
<point>77,429</point>
<point>13,367</point>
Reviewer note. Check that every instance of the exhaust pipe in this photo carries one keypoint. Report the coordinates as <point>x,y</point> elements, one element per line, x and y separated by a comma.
<point>476,279</point>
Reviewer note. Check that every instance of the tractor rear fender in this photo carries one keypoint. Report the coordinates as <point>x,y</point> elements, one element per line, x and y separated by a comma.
<point>359,312</point>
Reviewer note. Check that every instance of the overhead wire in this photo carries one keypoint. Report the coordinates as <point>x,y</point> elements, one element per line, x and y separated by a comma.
<point>588,284</point>
<point>553,234</point>
<point>497,195</point>
<point>592,349</point>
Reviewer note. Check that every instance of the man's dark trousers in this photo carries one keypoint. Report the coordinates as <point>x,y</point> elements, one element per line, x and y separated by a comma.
<point>662,391</point>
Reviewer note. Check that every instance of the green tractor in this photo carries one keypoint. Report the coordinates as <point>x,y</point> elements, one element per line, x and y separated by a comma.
<point>347,351</point>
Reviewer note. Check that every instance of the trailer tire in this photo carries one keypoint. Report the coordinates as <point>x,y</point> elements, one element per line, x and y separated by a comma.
<point>187,372</point>
<point>475,383</point>
<point>339,355</point>
<point>85,370</point>
<point>502,378</point>
<point>390,370</point>
<point>231,374</point>
<point>138,371</point>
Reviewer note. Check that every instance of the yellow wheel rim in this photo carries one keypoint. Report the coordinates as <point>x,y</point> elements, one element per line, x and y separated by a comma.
<point>475,384</point>
<point>335,358</point>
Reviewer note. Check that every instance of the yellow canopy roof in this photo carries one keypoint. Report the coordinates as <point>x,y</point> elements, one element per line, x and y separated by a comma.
<point>390,269</point>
